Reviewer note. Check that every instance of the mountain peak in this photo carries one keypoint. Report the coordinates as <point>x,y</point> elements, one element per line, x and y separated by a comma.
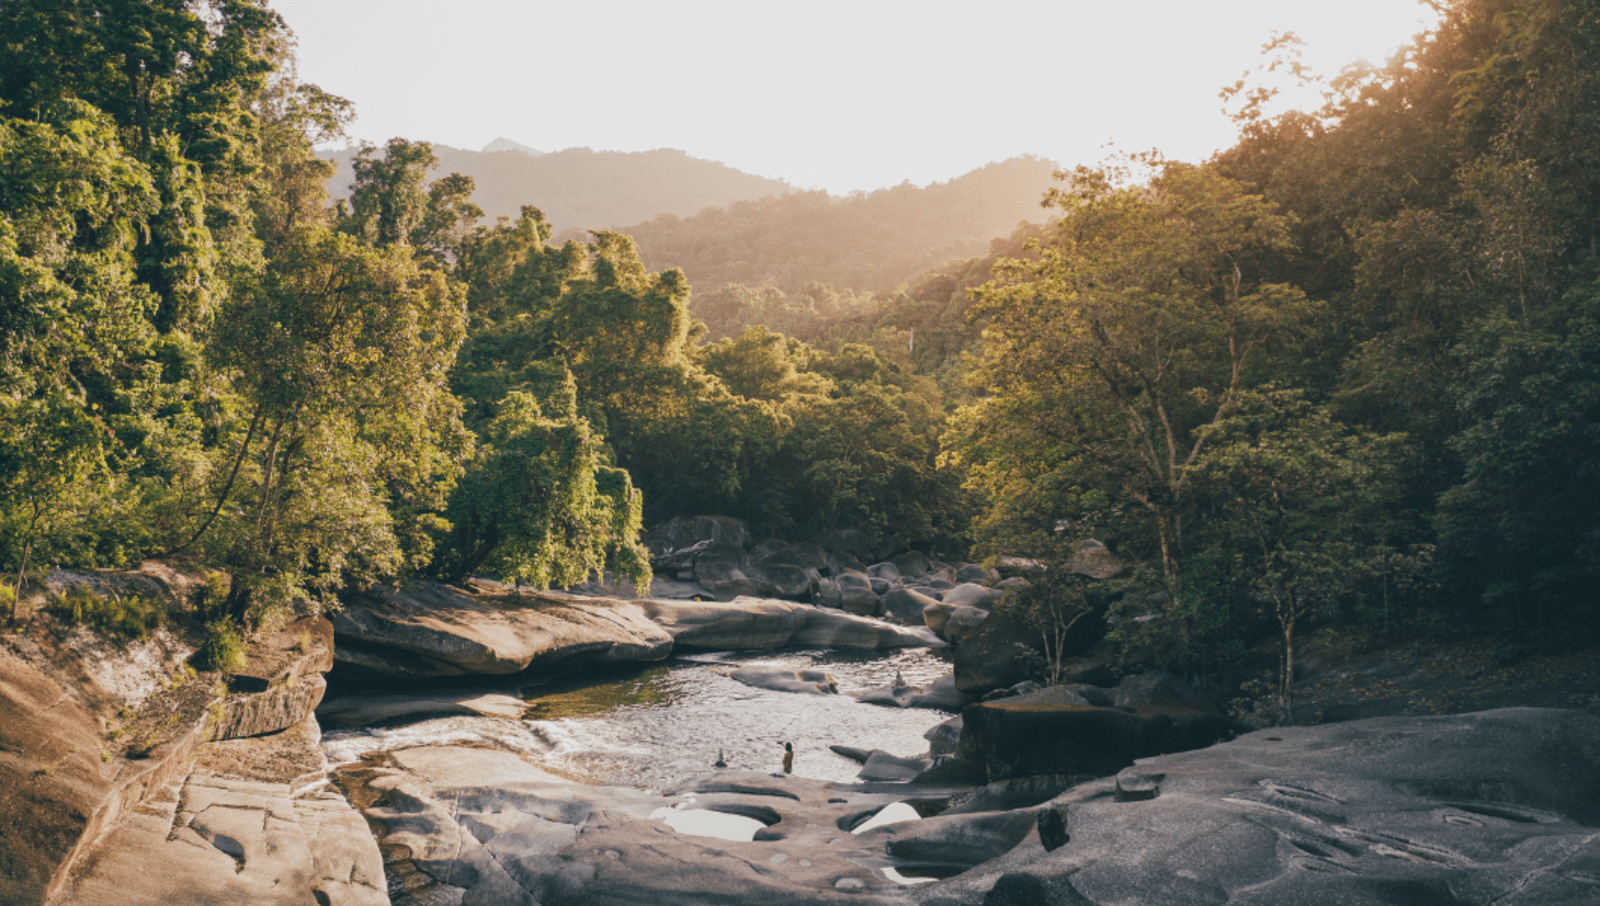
<point>505,144</point>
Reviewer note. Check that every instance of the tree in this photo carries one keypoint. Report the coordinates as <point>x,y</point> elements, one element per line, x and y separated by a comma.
<point>1295,507</point>
<point>1142,322</point>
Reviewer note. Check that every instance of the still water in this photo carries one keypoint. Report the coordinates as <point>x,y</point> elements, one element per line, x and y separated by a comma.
<point>656,727</point>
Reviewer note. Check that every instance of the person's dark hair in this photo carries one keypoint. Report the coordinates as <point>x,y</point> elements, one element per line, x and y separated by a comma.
<point>788,747</point>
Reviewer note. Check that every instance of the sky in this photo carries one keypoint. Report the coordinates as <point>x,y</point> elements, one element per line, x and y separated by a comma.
<point>842,96</point>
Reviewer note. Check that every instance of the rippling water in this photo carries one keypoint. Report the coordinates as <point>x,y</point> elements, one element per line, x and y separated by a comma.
<point>657,727</point>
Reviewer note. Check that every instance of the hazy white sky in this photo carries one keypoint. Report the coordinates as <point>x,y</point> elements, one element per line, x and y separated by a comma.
<point>824,94</point>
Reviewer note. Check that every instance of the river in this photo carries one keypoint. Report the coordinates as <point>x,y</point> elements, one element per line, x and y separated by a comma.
<point>658,726</point>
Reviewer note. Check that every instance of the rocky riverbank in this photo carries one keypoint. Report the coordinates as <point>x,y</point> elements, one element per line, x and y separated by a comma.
<point>126,777</point>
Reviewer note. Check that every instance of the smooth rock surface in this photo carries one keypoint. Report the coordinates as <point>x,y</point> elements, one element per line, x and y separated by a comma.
<point>1497,807</point>
<point>485,633</point>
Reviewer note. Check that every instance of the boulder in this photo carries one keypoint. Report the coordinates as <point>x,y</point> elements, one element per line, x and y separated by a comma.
<point>936,615</point>
<point>495,634</point>
<point>1002,652</point>
<point>941,695</point>
<point>826,628</point>
<point>783,580</point>
<point>1156,688</point>
<point>856,594</point>
<point>1014,583</point>
<point>1492,807</point>
<point>1052,732</point>
<point>724,570</point>
<point>912,564</point>
<point>886,571</point>
<point>969,594</point>
<point>1095,560</point>
<point>943,737</point>
<point>891,545</point>
<point>685,531</point>
<point>883,766</point>
<point>963,623</point>
<point>841,561</point>
<point>978,574</point>
<point>742,623</point>
<point>782,679</point>
<point>905,605</point>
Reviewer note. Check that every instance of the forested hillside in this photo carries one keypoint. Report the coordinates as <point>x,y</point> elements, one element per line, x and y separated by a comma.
<point>579,189</point>
<point>1343,378</point>
<point>865,242</point>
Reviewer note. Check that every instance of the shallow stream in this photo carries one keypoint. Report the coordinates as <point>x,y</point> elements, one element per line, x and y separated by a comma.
<point>657,727</point>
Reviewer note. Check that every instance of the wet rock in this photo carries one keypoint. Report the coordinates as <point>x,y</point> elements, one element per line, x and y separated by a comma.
<point>779,679</point>
<point>498,634</point>
<point>884,766</point>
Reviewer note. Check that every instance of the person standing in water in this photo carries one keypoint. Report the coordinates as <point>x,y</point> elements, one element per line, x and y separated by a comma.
<point>788,758</point>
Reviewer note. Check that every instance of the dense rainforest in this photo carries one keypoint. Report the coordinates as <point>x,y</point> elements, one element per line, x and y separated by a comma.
<point>1343,376</point>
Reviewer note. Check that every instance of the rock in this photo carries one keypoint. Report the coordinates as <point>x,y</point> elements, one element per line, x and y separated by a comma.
<point>497,634</point>
<point>971,595</point>
<point>1155,688</point>
<point>936,615</point>
<point>722,567</point>
<point>254,823</point>
<point>856,594</point>
<point>1095,560</point>
<point>978,574</point>
<point>1000,653</point>
<point>1493,807</point>
<point>1021,564</point>
<point>880,587</point>
<point>941,695</point>
<point>1052,732</point>
<point>853,753</point>
<point>942,738</point>
<point>952,843</point>
<point>780,679</point>
<point>841,561</point>
<point>1013,793</point>
<point>281,681</point>
<point>765,623</point>
<point>684,531</point>
<point>368,709</point>
<point>742,623</point>
<point>906,605</point>
<point>886,767</point>
<point>833,629</point>
<point>963,623</point>
<point>912,564</point>
<point>1016,583</point>
<point>886,571</point>
<point>784,580</point>
<point>891,545</point>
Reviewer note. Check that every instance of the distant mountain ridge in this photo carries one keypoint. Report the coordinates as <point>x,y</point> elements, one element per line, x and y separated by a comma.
<point>871,241</point>
<point>581,189</point>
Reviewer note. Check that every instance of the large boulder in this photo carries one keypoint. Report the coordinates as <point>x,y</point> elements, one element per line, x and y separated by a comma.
<point>1053,731</point>
<point>846,541</point>
<point>686,531</point>
<point>964,622</point>
<point>742,623</point>
<point>1494,807</point>
<point>969,594</point>
<point>1094,560</point>
<point>856,594</point>
<point>441,630</point>
<point>978,574</point>
<point>1002,652</point>
<point>825,628</point>
<point>724,570</point>
<point>906,605</point>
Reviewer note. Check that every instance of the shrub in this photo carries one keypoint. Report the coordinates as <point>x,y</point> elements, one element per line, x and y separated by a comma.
<point>223,646</point>
<point>124,616</point>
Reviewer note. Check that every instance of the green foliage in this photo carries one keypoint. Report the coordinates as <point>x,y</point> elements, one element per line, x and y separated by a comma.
<point>116,615</point>
<point>223,646</point>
